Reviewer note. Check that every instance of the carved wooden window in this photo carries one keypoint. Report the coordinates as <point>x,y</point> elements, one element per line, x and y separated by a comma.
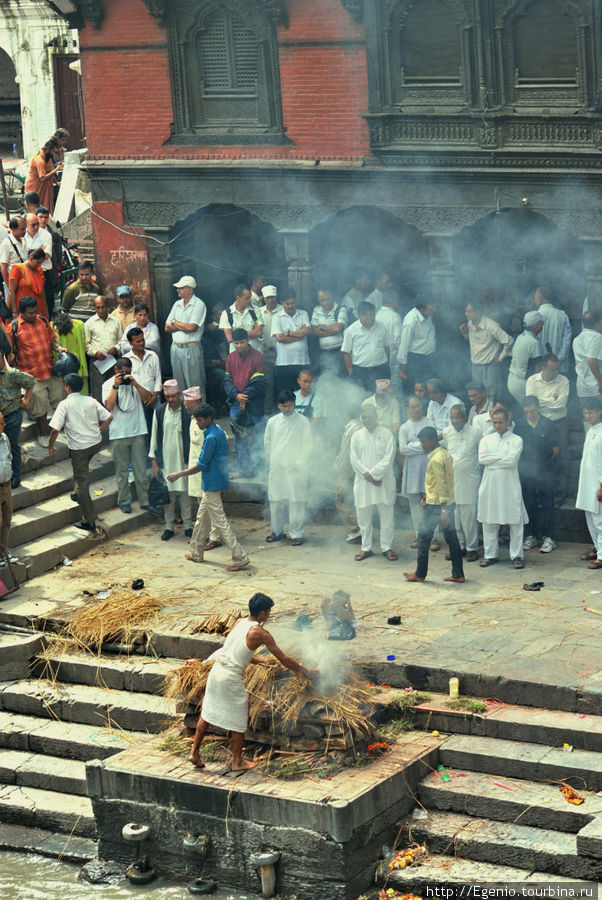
<point>225,76</point>
<point>431,51</point>
<point>545,42</point>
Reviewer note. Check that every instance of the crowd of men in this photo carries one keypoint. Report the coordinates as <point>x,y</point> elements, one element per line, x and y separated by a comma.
<point>350,395</point>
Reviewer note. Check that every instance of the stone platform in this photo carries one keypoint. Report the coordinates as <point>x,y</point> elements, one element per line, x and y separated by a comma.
<point>328,832</point>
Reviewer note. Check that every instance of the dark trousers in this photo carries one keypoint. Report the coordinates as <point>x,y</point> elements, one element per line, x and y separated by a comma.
<point>285,379</point>
<point>49,292</point>
<point>367,376</point>
<point>431,517</point>
<point>80,463</point>
<point>538,495</point>
<point>12,428</point>
<point>420,367</point>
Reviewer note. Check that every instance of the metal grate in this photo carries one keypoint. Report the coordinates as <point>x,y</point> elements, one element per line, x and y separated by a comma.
<point>228,54</point>
<point>213,53</point>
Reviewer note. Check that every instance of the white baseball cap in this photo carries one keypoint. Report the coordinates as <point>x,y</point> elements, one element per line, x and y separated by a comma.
<point>186,281</point>
<point>269,290</point>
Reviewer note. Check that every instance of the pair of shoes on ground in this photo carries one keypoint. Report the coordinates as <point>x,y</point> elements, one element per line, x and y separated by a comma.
<point>366,554</point>
<point>413,577</point>
<point>547,544</point>
<point>168,534</point>
<point>274,538</point>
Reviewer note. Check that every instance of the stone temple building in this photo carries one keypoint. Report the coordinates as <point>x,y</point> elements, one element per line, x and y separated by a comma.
<point>456,144</point>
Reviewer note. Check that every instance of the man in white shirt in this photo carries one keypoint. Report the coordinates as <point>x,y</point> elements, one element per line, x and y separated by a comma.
<point>371,454</point>
<point>587,350</point>
<point>557,333</point>
<point>6,497</point>
<point>146,369</point>
<point>526,354</point>
<point>462,443</point>
<point>356,294</point>
<point>242,315</point>
<point>37,236</point>
<point>290,329</point>
<point>500,494</point>
<point>103,337</point>
<point>382,286</point>
<point>477,396</point>
<point>589,494</point>
<point>440,404</point>
<point>489,345</point>
<point>417,344</point>
<point>84,420</point>
<point>272,308</point>
<point>12,249</point>
<point>552,391</point>
<point>124,399</point>
<point>327,324</point>
<point>365,349</point>
<point>287,444</point>
<point>185,323</point>
<point>169,451</point>
<point>257,295</point>
<point>388,316</point>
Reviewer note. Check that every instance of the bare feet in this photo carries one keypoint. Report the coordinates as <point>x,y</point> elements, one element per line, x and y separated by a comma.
<point>196,761</point>
<point>192,559</point>
<point>236,567</point>
<point>244,764</point>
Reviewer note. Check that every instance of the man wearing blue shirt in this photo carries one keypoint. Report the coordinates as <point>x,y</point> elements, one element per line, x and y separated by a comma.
<point>213,464</point>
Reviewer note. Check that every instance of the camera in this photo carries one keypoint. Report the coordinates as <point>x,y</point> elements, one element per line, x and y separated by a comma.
<point>126,379</point>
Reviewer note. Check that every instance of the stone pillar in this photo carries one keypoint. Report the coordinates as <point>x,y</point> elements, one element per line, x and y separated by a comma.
<point>296,251</point>
<point>592,258</point>
<point>164,272</point>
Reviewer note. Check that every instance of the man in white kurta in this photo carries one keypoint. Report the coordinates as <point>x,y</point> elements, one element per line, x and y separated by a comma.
<point>462,443</point>
<point>590,478</point>
<point>371,455</point>
<point>169,453</point>
<point>287,444</point>
<point>500,496</point>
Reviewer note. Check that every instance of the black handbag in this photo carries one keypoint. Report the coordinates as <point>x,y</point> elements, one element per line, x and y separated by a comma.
<point>158,494</point>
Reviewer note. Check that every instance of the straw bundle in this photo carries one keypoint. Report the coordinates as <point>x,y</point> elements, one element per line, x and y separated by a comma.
<point>121,617</point>
<point>218,623</point>
<point>187,683</point>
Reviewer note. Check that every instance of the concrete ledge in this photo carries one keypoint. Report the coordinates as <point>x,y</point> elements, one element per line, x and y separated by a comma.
<point>589,839</point>
<point>67,847</point>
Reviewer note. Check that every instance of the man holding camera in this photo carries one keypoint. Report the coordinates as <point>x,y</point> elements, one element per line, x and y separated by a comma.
<point>125,398</point>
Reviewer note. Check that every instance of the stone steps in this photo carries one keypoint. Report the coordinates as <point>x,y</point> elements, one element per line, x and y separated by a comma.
<point>507,722</point>
<point>41,842</point>
<point>56,811</point>
<point>513,844</point>
<point>43,483</point>
<point>140,674</point>
<point>508,799</point>
<point>93,706</point>
<point>443,871</point>
<point>532,762</point>
<point>50,773</point>
<point>68,740</point>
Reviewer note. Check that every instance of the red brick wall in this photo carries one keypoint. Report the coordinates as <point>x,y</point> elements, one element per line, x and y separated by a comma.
<point>323,80</point>
<point>121,256</point>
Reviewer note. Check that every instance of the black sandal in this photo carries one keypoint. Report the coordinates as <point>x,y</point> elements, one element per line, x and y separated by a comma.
<point>272,538</point>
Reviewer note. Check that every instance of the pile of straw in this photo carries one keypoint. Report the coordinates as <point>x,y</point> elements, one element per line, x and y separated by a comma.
<point>218,623</point>
<point>122,617</point>
<point>187,684</point>
<point>281,694</point>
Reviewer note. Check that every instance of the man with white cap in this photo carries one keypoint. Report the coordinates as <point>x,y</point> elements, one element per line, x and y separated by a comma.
<point>526,354</point>
<point>169,451</point>
<point>272,308</point>
<point>185,323</point>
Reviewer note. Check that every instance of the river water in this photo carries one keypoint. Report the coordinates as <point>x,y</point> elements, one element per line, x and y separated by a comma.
<point>29,877</point>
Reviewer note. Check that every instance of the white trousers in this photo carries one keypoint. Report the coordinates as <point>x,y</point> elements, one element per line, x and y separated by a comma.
<point>294,511</point>
<point>364,520</point>
<point>490,542</point>
<point>467,527</point>
<point>594,523</point>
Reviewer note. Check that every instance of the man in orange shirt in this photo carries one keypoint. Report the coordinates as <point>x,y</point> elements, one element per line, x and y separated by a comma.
<point>34,341</point>
<point>27,280</point>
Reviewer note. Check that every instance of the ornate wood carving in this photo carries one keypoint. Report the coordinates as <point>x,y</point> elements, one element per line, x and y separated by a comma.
<point>355,8</point>
<point>92,10</point>
<point>158,9</point>
<point>579,10</point>
<point>462,10</point>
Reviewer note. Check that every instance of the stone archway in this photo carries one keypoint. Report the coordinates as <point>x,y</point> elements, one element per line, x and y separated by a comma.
<point>223,245</point>
<point>503,256</point>
<point>11,128</point>
<point>366,237</point>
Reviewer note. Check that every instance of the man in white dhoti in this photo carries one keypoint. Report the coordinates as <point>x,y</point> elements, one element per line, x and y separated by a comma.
<point>169,451</point>
<point>371,455</point>
<point>500,496</point>
<point>225,704</point>
<point>589,493</point>
<point>287,444</point>
<point>462,442</point>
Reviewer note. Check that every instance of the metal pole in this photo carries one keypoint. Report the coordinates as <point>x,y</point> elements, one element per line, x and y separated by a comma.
<point>4,194</point>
